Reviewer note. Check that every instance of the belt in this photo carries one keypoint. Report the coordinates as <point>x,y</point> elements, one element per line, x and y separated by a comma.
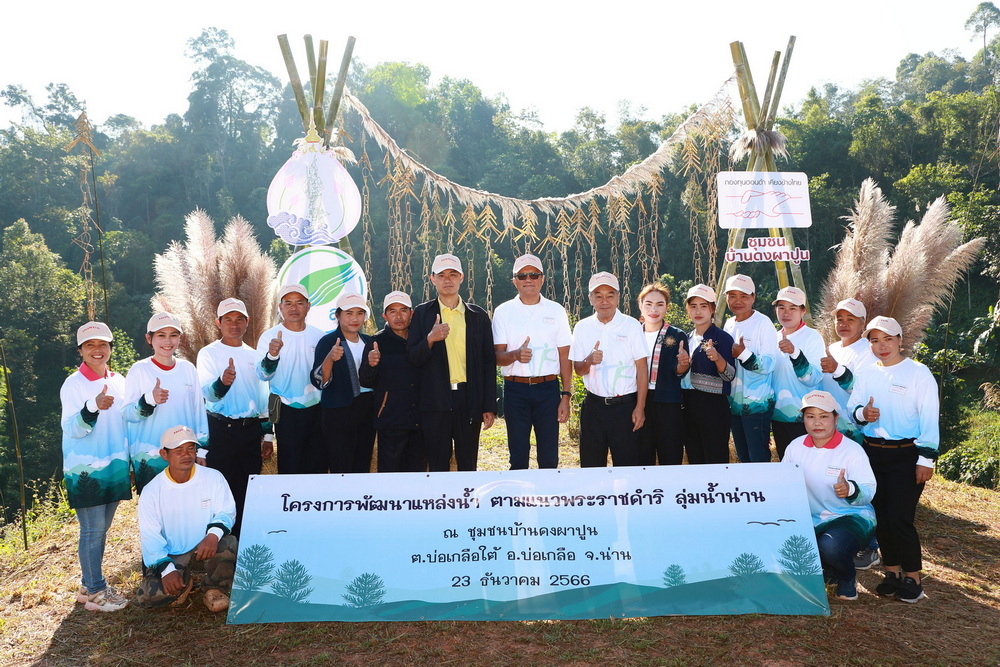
<point>611,400</point>
<point>889,444</point>
<point>455,386</point>
<point>538,379</point>
<point>237,421</point>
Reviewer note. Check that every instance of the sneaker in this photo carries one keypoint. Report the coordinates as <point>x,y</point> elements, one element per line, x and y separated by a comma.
<point>910,591</point>
<point>847,590</point>
<point>216,600</point>
<point>889,585</point>
<point>82,595</point>
<point>107,600</point>
<point>866,559</point>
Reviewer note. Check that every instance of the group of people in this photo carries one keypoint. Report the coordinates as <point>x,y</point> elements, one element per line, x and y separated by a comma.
<point>425,387</point>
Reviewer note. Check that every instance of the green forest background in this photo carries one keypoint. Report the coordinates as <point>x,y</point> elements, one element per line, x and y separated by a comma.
<point>931,131</point>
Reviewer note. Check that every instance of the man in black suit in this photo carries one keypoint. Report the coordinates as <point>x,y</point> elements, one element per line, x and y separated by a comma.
<point>451,341</point>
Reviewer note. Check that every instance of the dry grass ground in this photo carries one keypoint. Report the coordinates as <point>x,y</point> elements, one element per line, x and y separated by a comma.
<point>957,624</point>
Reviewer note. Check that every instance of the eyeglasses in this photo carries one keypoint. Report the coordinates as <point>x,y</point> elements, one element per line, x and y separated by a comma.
<point>525,276</point>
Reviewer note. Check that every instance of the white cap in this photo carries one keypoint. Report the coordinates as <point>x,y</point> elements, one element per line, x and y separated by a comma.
<point>177,436</point>
<point>292,288</point>
<point>853,306</point>
<point>740,282</point>
<point>447,261</point>
<point>232,305</point>
<point>162,321</point>
<point>348,300</point>
<point>396,297</point>
<point>882,323</point>
<point>792,295</point>
<point>93,331</point>
<point>823,400</point>
<point>525,261</point>
<point>703,291</point>
<point>603,278</point>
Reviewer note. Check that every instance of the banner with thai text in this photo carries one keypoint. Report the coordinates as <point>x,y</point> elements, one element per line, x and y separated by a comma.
<point>528,544</point>
<point>763,200</point>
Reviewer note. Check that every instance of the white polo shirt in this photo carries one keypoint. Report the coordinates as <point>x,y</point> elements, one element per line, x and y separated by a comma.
<point>622,342</point>
<point>545,323</point>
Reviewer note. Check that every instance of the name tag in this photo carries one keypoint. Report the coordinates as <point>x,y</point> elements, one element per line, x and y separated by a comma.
<point>897,388</point>
<point>621,339</point>
<point>206,503</point>
<point>189,388</point>
<point>549,321</point>
<point>833,471</point>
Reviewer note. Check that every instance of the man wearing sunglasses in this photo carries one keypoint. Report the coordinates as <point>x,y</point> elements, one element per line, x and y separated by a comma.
<point>531,336</point>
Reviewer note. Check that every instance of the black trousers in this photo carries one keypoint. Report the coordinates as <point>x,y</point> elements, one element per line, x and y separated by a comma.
<point>299,436</point>
<point>401,450</point>
<point>443,428</point>
<point>607,428</point>
<point>661,438</point>
<point>349,435</point>
<point>706,427</point>
<point>895,504</point>
<point>234,450</point>
<point>784,433</point>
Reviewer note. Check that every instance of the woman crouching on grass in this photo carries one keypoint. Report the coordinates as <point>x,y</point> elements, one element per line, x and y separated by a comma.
<point>840,485</point>
<point>895,402</point>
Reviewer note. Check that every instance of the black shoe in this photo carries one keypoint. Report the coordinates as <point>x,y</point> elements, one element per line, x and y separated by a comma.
<point>889,585</point>
<point>910,590</point>
<point>866,559</point>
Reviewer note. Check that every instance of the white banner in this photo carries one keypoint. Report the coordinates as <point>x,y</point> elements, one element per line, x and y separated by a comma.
<point>528,544</point>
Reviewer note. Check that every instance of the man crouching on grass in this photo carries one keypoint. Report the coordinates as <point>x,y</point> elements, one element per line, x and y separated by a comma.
<point>185,515</point>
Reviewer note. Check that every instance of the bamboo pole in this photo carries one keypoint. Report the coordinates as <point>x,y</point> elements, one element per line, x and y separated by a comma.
<point>319,87</point>
<point>293,78</point>
<point>310,60</point>
<point>17,445</point>
<point>338,91</point>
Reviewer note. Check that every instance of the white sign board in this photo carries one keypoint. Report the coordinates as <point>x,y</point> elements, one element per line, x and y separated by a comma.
<point>763,200</point>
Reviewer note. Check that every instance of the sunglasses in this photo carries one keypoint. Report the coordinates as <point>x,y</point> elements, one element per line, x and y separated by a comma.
<point>525,276</point>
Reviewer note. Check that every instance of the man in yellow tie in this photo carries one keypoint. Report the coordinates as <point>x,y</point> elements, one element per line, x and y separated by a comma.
<point>451,342</point>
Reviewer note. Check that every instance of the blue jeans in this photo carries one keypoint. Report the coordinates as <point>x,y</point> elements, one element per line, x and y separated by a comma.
<point>752,437</point>
<point>94,524</point>
<point>532,405</point>
<point>837,547</point>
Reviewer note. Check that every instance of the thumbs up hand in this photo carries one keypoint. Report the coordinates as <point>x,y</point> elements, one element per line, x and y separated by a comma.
<point>708,345</point>
<point>336,352</point>
<point>842,488</point>
<point>374,356</point>
<point>738,348</point>
<point>104,400</point>
<point>786,345</point>
<point>523,353</point>
<point>439,331</point>
<point>870,412</point>
<point>828,364</point>
<point>683,359</point>
<point>229,375</point>
<point>160,395</point>
<point>596,355</point>
<point>274,347</point>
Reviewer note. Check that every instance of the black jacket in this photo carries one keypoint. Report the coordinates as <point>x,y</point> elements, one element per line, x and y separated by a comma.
<point>435,378</point>
<point>395,381</point>
<point>339,393</point>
